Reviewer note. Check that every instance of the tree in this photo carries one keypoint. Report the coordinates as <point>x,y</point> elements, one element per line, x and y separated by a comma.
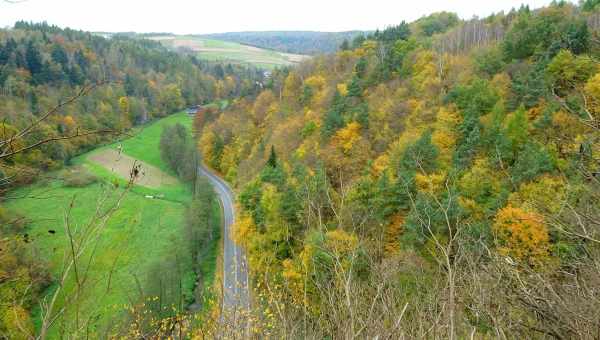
<point>346,138</point>
<point>59,55</point>
<point>517,129</point>
<point>333,118</point>
<point>176,149</point>
<point>272,161</point>
<point>171,99</point>
<point>521,235</point>
<point>34,63</point>
<point>345,45</point>
<point>355,88</point>
<point>437,23</point>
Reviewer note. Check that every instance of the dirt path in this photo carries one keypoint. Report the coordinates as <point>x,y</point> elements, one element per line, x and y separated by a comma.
<point>122,164</point>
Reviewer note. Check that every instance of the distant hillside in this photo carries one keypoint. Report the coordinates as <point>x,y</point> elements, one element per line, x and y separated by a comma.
<point>300,42</point>
<point>227,51</point>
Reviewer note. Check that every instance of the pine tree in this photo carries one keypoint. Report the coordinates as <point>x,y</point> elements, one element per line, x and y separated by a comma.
<point>272,162</point>
<point>333,118</point>
<point>355,87</point>
<point>33,60</point>
<point>345,45</point>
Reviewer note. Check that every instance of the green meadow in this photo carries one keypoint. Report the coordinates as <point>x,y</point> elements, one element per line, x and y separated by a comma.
<point>219,50</point>
<point>131,252</point>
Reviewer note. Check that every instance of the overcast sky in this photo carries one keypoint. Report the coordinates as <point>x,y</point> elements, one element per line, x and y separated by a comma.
<point>212,16</point>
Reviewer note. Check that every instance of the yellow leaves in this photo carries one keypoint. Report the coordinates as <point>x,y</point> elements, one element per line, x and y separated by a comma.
<point>425,72</point>
<point>522,235</point>
<point>346,138</point>
<point>407,138</point>
<point>270,202</point>
<point>479,180</point>
<point>124,105</point>
<point>205,144</point>
<point>317,82</point>
<point>69,122</point>
<point>230,160</point>
<point>17,321</point>
<point>264,106</point>
<point>291,87</point>
<point>220,89</point>
<point>444,136</point>
<point>431,183</point>
<point>342,89</point>
<point>289,270</point>
<point>501,83</point>
<point>340,241</point>
<point>294,277</point>
<point>301,151</point>
<point>592,89</point>
<point>418,117</point>
<point>392,233</point>
<point>244,230</point>
<point>563,120</point>
<point>566,128</point>
<point>447,118</point>
<point>380,164</point>
<point>474,210</point>
<point>567,70</point>
<point>319,94</point>
<point>445,142</point>
<point>306,257</point>
<point>546,194</point>
<point>367,46</point>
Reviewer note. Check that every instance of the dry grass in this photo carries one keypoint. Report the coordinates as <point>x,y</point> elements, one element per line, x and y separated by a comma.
<point>121,165</point>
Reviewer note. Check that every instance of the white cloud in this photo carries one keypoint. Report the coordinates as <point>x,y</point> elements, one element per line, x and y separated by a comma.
<point>210,16</point>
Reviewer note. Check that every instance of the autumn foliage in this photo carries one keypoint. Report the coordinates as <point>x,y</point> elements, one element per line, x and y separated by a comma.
<point>521,234</point>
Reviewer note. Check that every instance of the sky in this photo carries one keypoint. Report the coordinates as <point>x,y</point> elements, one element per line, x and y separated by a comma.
<point>215,16</point>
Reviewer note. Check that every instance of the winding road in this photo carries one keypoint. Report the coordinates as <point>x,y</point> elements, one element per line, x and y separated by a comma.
<point>235,273</point>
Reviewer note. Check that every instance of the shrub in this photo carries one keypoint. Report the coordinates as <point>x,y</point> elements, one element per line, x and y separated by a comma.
<point>78,177</point>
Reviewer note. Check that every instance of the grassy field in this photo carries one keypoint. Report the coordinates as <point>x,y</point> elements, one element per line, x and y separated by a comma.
<point>139,236</point>
<point>218,50</point>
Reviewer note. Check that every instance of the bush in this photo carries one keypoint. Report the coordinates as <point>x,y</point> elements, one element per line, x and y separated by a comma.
<point>78,177</point>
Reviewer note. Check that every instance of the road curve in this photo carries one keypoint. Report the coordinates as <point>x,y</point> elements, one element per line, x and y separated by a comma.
<point>235,273</point>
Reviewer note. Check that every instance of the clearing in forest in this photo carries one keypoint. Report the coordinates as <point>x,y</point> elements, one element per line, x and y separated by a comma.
<point>122,165</point>
<point>218,50</point>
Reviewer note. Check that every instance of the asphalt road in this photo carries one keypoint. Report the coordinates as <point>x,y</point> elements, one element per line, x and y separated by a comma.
<point>235,273</point>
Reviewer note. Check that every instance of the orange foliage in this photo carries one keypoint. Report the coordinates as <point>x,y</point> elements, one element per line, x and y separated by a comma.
<point>521,234</point>
<point>69,122</point>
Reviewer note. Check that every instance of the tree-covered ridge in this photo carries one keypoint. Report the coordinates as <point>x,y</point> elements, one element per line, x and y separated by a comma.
<point>42,66</point>
<point>440,179</point>
<point>301,42</point>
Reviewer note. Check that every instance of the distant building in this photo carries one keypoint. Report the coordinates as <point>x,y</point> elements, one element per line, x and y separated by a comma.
<point>192,109</point>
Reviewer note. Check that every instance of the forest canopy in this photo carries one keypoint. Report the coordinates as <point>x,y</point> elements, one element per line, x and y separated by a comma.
<point>441,176</point>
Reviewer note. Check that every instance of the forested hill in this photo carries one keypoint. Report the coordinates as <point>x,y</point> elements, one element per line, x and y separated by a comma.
<point>300,42</point>
<point>439,179</point>
<point>42,66</point>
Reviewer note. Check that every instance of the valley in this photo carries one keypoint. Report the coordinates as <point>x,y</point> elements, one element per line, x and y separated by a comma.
<point>431,178</point>
<point>139,244</point>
